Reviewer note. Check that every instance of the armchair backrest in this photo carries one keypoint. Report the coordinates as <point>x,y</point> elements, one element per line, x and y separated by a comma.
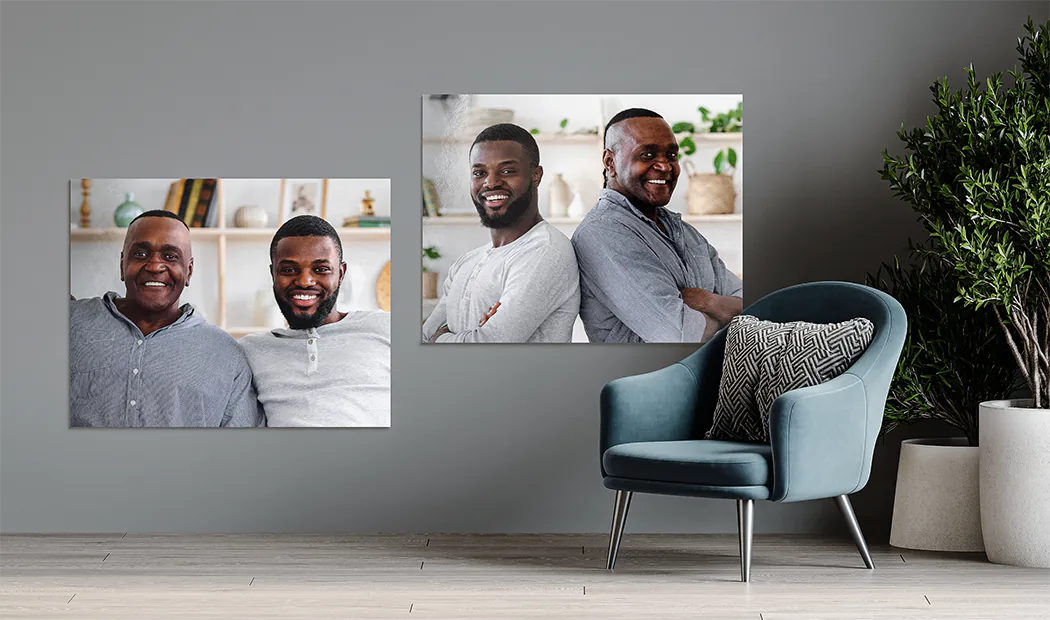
<point>820,302</point>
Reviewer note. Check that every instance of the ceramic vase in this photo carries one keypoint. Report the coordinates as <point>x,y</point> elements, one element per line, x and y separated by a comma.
<point>127,211</point>
<point>560,197</point>
<point>251,216</point>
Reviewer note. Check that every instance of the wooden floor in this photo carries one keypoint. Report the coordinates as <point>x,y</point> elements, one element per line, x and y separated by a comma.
<point>518,576</point>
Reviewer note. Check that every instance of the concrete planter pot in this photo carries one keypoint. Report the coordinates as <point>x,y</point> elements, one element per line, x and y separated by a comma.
<point>936,506</point>
<point>1015,482</point>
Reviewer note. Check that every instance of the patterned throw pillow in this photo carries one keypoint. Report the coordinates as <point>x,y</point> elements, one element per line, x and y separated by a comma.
<point>765,359</point>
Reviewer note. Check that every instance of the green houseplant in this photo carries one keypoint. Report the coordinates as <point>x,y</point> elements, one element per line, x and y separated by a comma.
<point>954,358</point>
<point>978,177</point>
<point>430,278</point>
<point>709,193</point>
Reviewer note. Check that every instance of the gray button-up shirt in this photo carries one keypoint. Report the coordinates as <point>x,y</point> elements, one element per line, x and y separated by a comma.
<point>189,373</point>
<point>632,274</point>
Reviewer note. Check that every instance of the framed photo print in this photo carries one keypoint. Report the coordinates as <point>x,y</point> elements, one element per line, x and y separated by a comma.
<point>303,197</point>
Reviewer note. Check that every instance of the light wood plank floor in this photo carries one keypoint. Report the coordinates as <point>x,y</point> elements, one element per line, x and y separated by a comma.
<point>515,576</point>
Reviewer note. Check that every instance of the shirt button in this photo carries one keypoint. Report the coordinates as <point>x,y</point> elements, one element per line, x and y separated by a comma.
<point>139,342</point>
<point>135,371</point>
<point>312,358</point>
<point>309,342</point>
<point>132,403</point>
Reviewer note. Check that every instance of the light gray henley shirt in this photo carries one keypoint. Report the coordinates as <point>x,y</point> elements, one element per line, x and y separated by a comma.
<point>333,375</point>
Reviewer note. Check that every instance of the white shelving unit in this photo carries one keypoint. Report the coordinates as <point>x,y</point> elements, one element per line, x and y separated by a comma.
<point>586,139</point>
<point>470,219</point>
<point>221,236</point>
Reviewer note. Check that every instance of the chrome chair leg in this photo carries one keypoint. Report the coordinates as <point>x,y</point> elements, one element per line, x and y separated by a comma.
<point>745,515</point>
<point>854,529</point>
<point>623,503</point>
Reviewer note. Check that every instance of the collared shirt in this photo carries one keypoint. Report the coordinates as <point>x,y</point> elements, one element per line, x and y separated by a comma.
<point>535,280</point>
<point>632,274</point>
<point>335,375</point>
<point>188,373</point>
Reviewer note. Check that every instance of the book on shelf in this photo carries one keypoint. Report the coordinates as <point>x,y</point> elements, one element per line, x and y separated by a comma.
<point>194,201</point>
<point>367,221</point>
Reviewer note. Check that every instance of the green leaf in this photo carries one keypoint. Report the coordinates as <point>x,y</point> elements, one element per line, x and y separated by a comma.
<point>732,157</point>
<point>719,161</point>
<point>564,122</point>
<point>683,127</point>
<point>688,146</point>
<point>534,131</point>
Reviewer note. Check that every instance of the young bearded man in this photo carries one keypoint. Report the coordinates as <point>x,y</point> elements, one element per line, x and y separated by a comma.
<point>645,275</point>
<point>144,360</point>
<point>329,368</point>
<point>524,286</point>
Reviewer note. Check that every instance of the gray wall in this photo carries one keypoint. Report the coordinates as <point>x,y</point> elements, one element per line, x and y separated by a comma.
<point>493,439</point>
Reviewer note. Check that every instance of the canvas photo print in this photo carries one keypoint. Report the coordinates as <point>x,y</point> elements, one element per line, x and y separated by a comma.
<point>581,218</point>
<point>211,303</point>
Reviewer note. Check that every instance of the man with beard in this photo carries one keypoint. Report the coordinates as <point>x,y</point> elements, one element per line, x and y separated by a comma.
<point>645,275</point>
<point>329,368</point>
<point>524,286</point>
<point>144,360</point>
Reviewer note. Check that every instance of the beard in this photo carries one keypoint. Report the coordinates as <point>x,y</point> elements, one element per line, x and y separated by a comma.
<point>307,321</point>
<point>511,214</point>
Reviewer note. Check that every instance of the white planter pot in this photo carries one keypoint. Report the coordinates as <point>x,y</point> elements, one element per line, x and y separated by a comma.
<point>936,506</point>
<point>1015,482</point>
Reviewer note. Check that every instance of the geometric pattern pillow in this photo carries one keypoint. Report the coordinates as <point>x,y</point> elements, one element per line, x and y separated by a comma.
<point>764,359</point>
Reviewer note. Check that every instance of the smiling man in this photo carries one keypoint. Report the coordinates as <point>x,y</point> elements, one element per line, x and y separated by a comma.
<point>645,275</point>
<point>144,360</point>
<point>329,368</point>
<point>524,286</point>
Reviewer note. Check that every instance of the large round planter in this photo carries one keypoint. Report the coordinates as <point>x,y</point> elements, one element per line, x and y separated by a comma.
<point>936,506</point>
<point>1015,482</point>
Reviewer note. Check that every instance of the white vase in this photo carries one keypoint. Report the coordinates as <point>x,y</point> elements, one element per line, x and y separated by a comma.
<point>1015,482</point>
<point>560,197</point>
<point>936,506</point>
<point>251,216</point>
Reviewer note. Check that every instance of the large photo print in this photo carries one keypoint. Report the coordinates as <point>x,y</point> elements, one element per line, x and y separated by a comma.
<point>581,218</point>
<point>229,303</point>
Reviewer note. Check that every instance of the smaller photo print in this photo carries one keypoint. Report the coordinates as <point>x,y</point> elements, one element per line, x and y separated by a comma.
<point>213,303</point>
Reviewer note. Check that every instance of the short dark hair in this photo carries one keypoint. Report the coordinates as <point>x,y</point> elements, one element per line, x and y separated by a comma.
<point>626,114</point>
<point>513,133</point>
<point>620,117</point>
<point>306,226</point>
<point>158,213</point>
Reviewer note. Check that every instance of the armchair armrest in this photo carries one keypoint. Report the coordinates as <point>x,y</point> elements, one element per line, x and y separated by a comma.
<point>821,442</point>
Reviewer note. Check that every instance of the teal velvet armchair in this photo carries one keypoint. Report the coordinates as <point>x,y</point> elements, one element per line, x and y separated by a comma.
<point>821,437</point>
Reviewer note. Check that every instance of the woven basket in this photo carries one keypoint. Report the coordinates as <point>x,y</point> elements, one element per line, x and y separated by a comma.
<point>709,193</point>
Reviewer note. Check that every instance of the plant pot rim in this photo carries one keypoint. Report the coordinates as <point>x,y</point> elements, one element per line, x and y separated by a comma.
<point>938,442</point>
<point>1016,403</point>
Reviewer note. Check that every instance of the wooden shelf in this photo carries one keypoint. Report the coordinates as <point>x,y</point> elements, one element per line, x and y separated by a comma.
<point>117,234</point>
<point>543,138</point>
<point>472,220</point>
<point>591,139</point>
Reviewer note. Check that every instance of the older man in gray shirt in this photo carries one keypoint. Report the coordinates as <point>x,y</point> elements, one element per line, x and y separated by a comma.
<point>645,275</point>
<point>144,360</point>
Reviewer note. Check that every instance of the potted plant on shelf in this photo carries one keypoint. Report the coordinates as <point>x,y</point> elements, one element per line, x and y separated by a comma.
<point>711,193</point>
<point>430,278</point>
<point>978,176</point>
<point>953,359</point>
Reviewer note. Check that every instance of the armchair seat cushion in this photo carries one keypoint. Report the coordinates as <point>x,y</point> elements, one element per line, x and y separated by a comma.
<point>701,462</point>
